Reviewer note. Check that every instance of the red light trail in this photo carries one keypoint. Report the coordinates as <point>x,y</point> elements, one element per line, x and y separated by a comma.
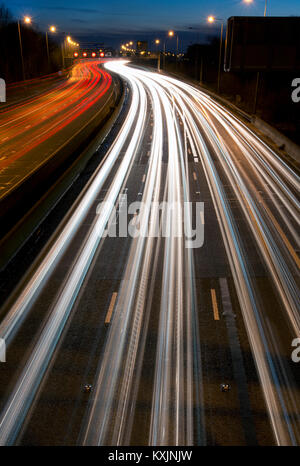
<point>23,127</point>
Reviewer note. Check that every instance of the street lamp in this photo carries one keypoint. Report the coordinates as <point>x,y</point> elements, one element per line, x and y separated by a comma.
<point>211,19</point>
<point>53,30</point>
<point>157,42</point>
<point>265,10</point>
<point>69,42</point>
<point>172,34</point>
<point>258,72</point>
<point>27,20</point>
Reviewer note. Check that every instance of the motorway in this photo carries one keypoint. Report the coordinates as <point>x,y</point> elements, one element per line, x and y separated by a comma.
<point>157,322</point>
<point>34,128</point>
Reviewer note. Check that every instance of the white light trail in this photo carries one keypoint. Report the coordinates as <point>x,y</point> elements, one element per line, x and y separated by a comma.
<point>213,134</point>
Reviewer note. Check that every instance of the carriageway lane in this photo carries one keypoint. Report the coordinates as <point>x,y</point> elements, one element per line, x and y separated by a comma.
<point>193,141</point>
<point>33,130</point>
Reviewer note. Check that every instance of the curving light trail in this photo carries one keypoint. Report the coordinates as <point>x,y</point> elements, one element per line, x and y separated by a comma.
<point>23,127</point>
<point>213,134</point>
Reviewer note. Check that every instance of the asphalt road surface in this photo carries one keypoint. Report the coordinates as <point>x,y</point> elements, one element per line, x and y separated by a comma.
<point>33,129</point>
<point>184,340</point>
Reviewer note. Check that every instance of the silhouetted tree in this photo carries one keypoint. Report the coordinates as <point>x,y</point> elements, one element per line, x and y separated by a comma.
<point>5,15</point>
<point>34,50</point>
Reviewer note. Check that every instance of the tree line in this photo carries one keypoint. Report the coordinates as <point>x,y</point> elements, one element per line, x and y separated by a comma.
<point>34,50</point>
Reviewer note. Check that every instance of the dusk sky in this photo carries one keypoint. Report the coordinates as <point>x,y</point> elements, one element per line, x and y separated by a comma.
<point>115,21</point>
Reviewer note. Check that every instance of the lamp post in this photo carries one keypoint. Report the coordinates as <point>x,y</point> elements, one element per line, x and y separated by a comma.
<point>27,20</point>
<point>171,34</point>
<point>63,54</point>
<point>211,19</point>
<point>63,50</point>
<point>68,41</point>
<point>53,30</point>
<point>266,4</point>
<point>257,85</point>
<point>157,42</point>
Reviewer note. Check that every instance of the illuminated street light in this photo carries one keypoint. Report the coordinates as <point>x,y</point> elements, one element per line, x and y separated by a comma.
<point>52,29</point>
<point>67,42</point>
<point>157,42</point>
<point>171,34</point>
<point>71,42</point>
<point>212,19</point>
<point>27,20</point>
<point>266,4</point>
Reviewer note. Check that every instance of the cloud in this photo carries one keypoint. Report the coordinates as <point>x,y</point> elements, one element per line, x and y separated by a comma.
<point>75,10</point>
<point>80,21</point>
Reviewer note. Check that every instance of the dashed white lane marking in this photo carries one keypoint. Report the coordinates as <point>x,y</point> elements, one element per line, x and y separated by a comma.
<point>111,308</point>
<point>202,217</point>
<point>215,304</point>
